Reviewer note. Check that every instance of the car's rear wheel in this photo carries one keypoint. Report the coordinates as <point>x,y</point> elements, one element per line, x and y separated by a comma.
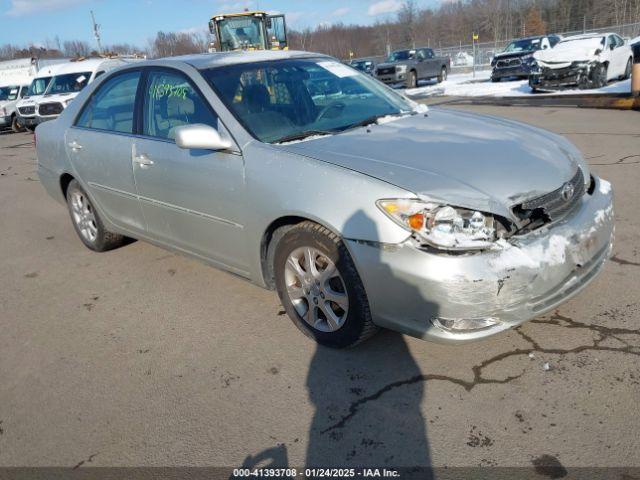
<point>320,288</point>
<point>412,80</point>
<point>443,75</point>
<point>87,222</point>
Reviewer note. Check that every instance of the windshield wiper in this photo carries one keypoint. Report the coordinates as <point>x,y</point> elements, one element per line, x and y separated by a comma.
<point>373,119</point>
<point>302,135</point>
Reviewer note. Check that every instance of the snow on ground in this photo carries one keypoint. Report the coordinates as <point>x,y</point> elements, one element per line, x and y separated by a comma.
<point>465,85</point>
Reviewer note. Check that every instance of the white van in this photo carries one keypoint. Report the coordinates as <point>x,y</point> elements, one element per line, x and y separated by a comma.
<point>67,82</point>
<point>9,96</point>
<point>26,106</point>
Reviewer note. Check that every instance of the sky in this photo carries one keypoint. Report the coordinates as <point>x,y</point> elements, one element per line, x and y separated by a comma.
<point>33,22</point>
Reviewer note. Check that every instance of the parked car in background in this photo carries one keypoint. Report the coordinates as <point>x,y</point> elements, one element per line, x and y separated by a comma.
<point>585,61</point>
<point>26,107</point>
<point>516,61</point>
<point>366,65</point>
<point>68,81</point>
<point>463,59</point>
<point>9,97</point>
<point>411,66</point>
<point>359,209</point>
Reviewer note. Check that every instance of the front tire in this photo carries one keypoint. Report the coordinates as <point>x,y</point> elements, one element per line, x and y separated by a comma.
<point>412,80</point>
<point>599,76</point>
<point>627,70</point>
<point>15,124</point>
<point>320,288</point>
<point>87,222</point>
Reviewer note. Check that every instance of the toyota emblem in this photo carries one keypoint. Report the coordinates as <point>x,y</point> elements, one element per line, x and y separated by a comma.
<point>567,191</point>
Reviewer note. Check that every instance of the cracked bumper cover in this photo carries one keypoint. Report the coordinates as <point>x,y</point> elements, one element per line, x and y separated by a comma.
<point>409,288</point>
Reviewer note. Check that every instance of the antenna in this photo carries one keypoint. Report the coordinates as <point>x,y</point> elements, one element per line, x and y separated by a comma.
<point>96,32</point>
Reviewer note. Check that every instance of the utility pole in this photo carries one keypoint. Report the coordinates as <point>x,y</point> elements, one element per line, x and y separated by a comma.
<point>96,32</point>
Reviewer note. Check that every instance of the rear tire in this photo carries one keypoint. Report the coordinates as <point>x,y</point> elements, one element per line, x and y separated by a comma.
<point>443,75</point>
<point>312,266</point>
<point>412,80</point>
<point>87,222</point>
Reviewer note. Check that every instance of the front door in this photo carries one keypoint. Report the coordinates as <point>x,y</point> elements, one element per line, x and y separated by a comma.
<point>100,142</point>
<point>191,199</point>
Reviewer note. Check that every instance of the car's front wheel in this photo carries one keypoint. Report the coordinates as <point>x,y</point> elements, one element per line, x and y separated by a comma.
<point>87,222</point>
<point>412,80</point>
<point>320,288</point>
<point>15,124</point>
<point>627,70</point>
<point>599,76</point>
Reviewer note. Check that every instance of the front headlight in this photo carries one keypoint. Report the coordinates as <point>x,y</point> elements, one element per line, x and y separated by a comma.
<point>401,69</point>
<point>67,102</point>
<point>442,226</point>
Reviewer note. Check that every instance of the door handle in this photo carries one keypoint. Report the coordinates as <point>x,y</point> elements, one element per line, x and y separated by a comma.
<point>143,160</point>
<point>75,146</point>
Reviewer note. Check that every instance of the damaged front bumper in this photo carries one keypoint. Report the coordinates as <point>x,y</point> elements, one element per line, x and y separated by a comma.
<point>422,293</point>
<point>545,78</point>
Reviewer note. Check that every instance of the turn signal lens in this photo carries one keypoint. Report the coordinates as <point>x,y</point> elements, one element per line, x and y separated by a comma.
<point>416,221</point>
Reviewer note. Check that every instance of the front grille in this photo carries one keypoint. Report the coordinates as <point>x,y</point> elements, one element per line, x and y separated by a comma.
<point>566,73</point>
<point>387,71</point>
<point>30,110</point>
<point>510,62</point>
<point>557,204</point>
<point>53,108</point>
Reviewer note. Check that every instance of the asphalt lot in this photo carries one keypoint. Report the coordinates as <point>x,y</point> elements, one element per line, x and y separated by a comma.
<point>142,357</point>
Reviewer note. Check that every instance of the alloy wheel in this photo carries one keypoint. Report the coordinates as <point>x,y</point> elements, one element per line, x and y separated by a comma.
<point>83,216</point>
<point>316,289</point>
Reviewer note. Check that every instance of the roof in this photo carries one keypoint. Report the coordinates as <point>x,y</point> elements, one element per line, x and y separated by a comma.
<point>585,36</point>
<point>90,65</point>
<point>212,60</point>
<point>241,14</point>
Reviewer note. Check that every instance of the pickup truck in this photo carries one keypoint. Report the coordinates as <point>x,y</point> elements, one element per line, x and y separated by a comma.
<point>410,66</point>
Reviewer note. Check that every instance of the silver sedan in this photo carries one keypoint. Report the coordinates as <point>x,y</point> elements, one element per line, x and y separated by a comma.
<point>361,208</point>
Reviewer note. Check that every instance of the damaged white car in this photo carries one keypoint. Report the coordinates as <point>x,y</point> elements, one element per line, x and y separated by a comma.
<point>358,206</point>
<point>583,61</point>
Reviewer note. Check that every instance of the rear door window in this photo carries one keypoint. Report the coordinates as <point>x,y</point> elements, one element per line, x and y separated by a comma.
<point>112,106</point>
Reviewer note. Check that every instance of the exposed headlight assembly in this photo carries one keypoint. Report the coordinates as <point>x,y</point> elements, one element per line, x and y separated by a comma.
<point>442,226</point>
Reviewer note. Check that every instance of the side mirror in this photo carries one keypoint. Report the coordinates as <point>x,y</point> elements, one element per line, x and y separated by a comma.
<point>200,136</point>
<point>612,46</point>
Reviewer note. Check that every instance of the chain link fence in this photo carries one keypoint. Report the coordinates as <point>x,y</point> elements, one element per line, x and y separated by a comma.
<point>462,56</point>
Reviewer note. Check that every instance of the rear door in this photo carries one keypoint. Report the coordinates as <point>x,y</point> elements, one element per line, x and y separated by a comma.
<point>191,199</point>
<point>100,143</point>
<point>431,63</point>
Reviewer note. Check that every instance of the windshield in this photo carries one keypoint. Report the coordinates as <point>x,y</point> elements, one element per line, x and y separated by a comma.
<point>528,45</point>
<point>68,83</point>
<point>401,55</point>
<point>276,100</point>
<point>9,93</point>
<point>38,86</point>
<point>362,65</point>
<point>238,33</point>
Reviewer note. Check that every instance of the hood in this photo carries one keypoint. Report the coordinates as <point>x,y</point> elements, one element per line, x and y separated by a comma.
<point>57,97</point>
<point>514,54</point>
<point>457,158</point>
<point>393,64</point>
<point>567,53</point>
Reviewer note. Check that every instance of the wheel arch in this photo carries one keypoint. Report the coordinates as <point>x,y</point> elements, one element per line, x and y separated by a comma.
<point>274,231</point>
<point>65,180</point>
